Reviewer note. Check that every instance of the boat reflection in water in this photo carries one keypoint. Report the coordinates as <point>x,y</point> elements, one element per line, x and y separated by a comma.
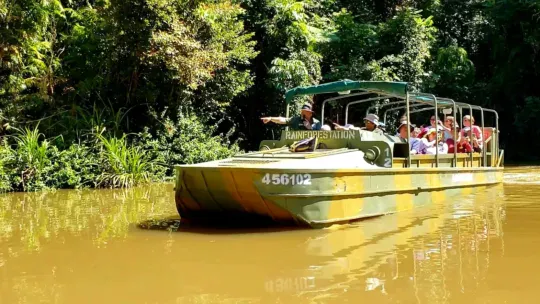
<point>119,247</point>
<point>423,255</point>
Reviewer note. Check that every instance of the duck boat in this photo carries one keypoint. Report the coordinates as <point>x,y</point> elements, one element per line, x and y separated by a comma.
<point>349,175</point>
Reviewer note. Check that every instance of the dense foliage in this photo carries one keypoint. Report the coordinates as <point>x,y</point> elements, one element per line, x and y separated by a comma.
<point>75,76</point>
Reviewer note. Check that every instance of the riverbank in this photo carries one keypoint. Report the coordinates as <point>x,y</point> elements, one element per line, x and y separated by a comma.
<point>30,162</point>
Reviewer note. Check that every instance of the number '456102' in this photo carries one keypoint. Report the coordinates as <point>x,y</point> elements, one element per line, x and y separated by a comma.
<point>287,179</point>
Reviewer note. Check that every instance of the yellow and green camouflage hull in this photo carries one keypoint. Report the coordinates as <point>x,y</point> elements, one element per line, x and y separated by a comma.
<point>318,197</point>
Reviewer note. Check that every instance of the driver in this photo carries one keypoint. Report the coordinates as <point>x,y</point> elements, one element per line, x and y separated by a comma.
<point>304,121</point>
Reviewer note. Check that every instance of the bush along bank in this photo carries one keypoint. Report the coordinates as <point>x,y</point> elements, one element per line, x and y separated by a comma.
<point>31,162</point>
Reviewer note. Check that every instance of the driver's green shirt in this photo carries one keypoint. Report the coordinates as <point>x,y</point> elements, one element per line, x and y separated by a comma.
<point>297,123</point>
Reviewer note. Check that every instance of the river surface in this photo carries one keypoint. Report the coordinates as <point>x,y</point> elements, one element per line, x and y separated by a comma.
<point>127,246</point>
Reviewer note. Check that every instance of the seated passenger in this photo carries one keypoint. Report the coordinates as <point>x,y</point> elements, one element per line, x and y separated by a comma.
<point>371,123</point>
<point>415,143</point>
<point>328,123</point>
<point>463,145</point>
<point>402,130</point>
<point>326,128</point>
<point>416,132</point>
<point>476,141</point>
<point>432,124</point>
<point>430,142</point>
<point>448,135</point>
<point>448,126</point>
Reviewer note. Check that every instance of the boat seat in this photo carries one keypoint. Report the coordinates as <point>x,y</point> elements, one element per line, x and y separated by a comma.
<point>401,150</point>
<point>488,132</point>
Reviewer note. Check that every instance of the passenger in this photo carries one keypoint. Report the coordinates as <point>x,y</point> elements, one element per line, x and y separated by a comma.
<point>304,121</point>
<point>432,124</point>
<point>476,141</point>
<point>328,124</point>
<point>371,123</point>
<point>448,126</point>
<point>416,132</point>
<point>415,143</point>
<point>463,146</point>
<point>430,142</point>
<point>448,135</point>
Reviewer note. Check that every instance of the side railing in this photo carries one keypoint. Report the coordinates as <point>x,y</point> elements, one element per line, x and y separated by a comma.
<point>414,103</point>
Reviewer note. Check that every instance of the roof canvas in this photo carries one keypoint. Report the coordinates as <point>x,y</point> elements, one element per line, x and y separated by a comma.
<point>399,89</point>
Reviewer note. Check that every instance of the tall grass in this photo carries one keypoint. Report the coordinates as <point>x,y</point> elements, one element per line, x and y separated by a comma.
<point>28,162</point>
<point>128,166</point>
<point>30,149</point>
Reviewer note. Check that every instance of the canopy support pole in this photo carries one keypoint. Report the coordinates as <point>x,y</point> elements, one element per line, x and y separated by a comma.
<point>408,129</point>
<point>436,133</point>
<point>287,115</point>
<point>470,135</point>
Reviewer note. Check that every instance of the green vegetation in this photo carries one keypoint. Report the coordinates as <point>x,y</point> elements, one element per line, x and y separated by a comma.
<point>112,93</point>
<point>29,162</point>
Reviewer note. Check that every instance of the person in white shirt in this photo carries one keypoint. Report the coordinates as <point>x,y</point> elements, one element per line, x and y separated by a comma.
<point>430,143</point>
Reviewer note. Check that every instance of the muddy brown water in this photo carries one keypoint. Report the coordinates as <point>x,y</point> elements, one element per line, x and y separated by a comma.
<point>127,246</point>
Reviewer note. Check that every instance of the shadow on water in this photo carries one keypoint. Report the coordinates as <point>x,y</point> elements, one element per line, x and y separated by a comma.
<point>223,227</point>
<point>236,225</point>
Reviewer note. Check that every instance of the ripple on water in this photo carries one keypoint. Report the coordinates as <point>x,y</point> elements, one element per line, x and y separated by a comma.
<point>522,175</point>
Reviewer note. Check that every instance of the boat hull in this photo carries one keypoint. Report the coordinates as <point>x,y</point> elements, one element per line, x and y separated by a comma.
<point>317,197</point>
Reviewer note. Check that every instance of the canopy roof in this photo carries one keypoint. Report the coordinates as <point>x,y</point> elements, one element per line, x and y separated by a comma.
<point>398,89</point>
<point>390,88</point>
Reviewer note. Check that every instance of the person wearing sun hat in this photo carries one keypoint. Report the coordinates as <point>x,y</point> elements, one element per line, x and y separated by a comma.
<point>430,143</point>
<point>401,131</point>
<point>371,123</point>
<point>304,121</point>
<point>416,146</point>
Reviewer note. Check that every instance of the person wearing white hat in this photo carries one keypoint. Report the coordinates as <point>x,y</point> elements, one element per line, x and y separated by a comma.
<point>416,144</point>
<point>371,123</point>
